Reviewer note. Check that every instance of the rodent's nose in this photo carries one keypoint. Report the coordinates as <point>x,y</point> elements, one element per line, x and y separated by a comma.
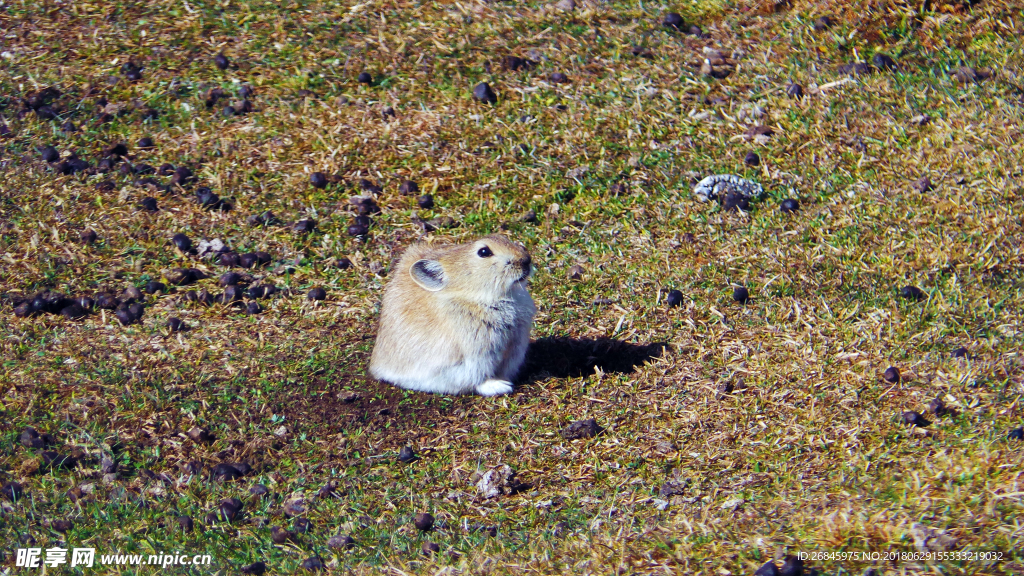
<point>526,263</point>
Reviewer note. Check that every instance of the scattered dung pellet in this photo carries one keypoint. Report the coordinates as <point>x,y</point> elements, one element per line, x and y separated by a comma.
<point>341,541</point>
<point>247,260</point>
<point>180,276</point>
<point>124,315</point>
<point>105,186</point>
<point>789,205</point>
<point>752,159</point>
<point>182,176</point>
<point>232,293</point>
<point>823,23</point>
<point>960,352</point>
<point>312,564</point>
<point>152,287</point>
<point>149,204</point>
<point>856,68</point>
<point>891,375</point>
<point>430,548</point>
<point>62,525</point>
<point>424,521</point>
<point>145,142</point>
<point>253,308</point>
<point>256,568</point>
<point>230,509</point>
<point>342,263</point>
<point>12,491</point>
<point>246,91</point>
<point>229,279</point>
<point>136,310</point>
<point>198,434</point>
<point>365,78</point>
<point>262,291</point>
<point>408,188</point>
<point>73,312</point>
<point>182,242</point>
<point>724,390</point>
<point>672,20</point>
<point>221,61</point>
<point>57,460</point>
<point>915,419</point>
<point>88,237</point>
<point>228,259</point>
<point>318,180</point>
<point>317,294</point>
<point>1016,434</point>
<point>937,407</point>
<point>767,569</point>
<point>406,454</point>
<point>132,293</point>
<point>558,78</point>
<point>576,272</point>
<point>883,62</point>
<point>529,216</point>
<point>358,230</point>
<point>176,325</point>
<point>301,525</point>
<point>794,90</point>
<point>483,93</point>
<point>912,293</point>
<point>186,523</point>
<point>304,226</point>
<point>923,184</point>
<point>259,490</point>
<point>262,258</point>
<point>741,294</point>
<point>49,154</point>
<point>735,200</point>
<point>582,429</point>
<point>228,111</point>
<point>116,150</point>
<point>106,301</point>
<point>224,472</point>
<point>85,302</point>
<point>426,201</point>
<point>792,566</point>
<point>674,298</point>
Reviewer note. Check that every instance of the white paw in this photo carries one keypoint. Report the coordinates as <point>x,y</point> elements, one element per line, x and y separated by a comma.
<point>494,388</point>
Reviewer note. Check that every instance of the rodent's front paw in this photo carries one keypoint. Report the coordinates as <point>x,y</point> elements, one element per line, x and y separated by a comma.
<point>494,388</point>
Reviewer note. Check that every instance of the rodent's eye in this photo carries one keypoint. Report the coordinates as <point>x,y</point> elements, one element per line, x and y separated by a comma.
<point>484,252</point>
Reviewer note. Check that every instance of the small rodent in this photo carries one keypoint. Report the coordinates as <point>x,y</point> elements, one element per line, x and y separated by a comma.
<point>456,319</point>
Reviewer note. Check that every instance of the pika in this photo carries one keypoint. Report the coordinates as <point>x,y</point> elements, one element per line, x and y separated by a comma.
<point>456,319</point>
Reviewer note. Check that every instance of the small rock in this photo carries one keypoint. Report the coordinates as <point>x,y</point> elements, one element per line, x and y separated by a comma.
<point>915,419</point>
<point>582,429</point>
<point>891,375</point>
<point>912,293</point>
<point>741,294</point>
<point>406,454</point>
<point>566,5</point>
<point>483,92</point>
<point>424,521</point>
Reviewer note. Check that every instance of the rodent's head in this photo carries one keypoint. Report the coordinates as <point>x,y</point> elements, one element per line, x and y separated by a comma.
<point>485,270</point>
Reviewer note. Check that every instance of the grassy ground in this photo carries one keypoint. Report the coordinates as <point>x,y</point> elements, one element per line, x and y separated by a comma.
<point>812,455</point>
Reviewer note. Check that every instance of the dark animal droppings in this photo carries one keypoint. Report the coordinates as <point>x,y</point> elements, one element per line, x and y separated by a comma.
<point>358,230</point>
<point>408,188</point>
<point>317,294</point>
<point>259,490</point>
<point>767,569</point>
<point>145,142</point>
<point>674,298</point>
<point>426,201</point>
<point>1016,434</point>
<point>312,564</point>
<point>912,293</point>
<point>735,201</point>
<point>789,205</point>
<point>883,62</point>
<point>430,548</point>
<point>915,419</point>
<point>73,312</point>
<point>229,111</point>
<point>124,315</point>
<point>424,521</point>
<point>794,90</point>
<point>822,24</point>
<point>230,279</point>
<point>149,204</point>
<point>253,308</point>
<point>340,541</point>
<point>49,154</point>
<point>406,454</point>
<point>182,242</point>
<point>152,287</point>
<point>892,374</point>
<point>12,491</point>
<point>752,159</point>
<point>483,93</point>
<point>582,429</point>
<point>741,294</point>
<point>176,325</point>
<point>257,568</point>
<point>230,508</point>
<point>247,260</point>
<point>365,78</point>
<point>558,78</point>
<point>673,20</point>
<point>792,566</point>
<point>960,352</point>
<point>318,180</point>
<point>221,61</point>
<point>304,226</point>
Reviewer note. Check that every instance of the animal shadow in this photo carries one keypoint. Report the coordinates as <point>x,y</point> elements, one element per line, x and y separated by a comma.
<point>560,357</point>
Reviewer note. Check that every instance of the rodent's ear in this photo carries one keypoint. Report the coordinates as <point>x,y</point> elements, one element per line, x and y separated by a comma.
<point>429,274</point>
